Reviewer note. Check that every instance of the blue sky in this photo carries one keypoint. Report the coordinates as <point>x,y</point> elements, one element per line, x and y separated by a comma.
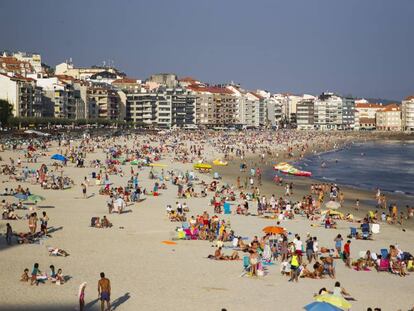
<point>359,47</point>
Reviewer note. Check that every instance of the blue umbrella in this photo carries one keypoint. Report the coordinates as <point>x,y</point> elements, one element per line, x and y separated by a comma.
<point>58,157</point>
<point>20,196</point>
<point>321,306</point>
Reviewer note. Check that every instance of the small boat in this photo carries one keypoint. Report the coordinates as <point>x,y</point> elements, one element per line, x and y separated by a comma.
<point>287,168</point>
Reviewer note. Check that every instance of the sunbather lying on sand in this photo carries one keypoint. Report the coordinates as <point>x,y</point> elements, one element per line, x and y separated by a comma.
<point>57,252</point>
<point>218,255</point>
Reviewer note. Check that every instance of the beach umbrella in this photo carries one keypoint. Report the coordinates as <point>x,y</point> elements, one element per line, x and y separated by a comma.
<point>20,196</point>
<point>58,157</point>
<point>35,198</point>
<point>332,205</point>
<point>273,230</point>
<point>134,162</point>
<point>334,300</point>
<point>321,306</point>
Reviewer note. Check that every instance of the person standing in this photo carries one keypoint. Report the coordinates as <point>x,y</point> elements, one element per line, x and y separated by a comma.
<point>43,223</point>
<point>104,292</point>
<point>81,296</point>
<point>347,253</point>
<point>9,234</point>
<point>309,249</point>
<point>83,190</point>
<point>338,244</point>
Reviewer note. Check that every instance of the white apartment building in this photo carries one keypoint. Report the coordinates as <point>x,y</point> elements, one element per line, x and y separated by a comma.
<point>164,107</point>
<point>407,111</point>
<point>61,95</point>
<point>33,59</point>
<point>67,68</point>
<point>21,93</point>
<point>365,114</point>
<point>251,109</point>
<point>328,112</point>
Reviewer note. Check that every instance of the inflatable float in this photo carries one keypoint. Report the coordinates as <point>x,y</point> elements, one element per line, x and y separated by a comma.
<point>286,168</point>
<point>219,163</point>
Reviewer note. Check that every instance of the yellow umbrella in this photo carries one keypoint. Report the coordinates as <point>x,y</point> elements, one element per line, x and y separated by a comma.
<point>334,300</point>
<point>158,165</point>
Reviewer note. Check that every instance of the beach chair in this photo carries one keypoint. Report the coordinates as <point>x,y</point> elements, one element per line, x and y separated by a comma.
<point>246,265</point>
<point>227,209</point>
<point>384,253</point>
<point>384,265</point>
<point>353,232</point>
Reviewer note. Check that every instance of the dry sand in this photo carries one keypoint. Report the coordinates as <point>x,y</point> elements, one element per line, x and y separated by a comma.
<point>148,275</point>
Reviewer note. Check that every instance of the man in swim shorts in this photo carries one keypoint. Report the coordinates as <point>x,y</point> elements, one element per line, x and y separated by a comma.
<point>104,292</point>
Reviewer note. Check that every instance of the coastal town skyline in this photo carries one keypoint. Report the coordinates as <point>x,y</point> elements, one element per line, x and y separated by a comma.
<point>291,52</point>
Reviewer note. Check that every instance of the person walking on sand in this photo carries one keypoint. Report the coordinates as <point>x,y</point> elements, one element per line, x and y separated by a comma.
<point>104,292</point>
<point>83,190</point>
<point>9,234</point>
<point>81,296</point>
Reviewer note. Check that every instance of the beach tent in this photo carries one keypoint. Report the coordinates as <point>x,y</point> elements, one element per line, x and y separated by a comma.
<point>58,157</point>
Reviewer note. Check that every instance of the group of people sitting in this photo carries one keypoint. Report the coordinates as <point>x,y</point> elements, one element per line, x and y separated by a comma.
<point>392,260</point>
<point>38,277</point>
<point>97,222</point>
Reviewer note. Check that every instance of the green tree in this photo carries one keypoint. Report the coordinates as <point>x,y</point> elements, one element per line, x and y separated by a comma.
<point>6,110</point>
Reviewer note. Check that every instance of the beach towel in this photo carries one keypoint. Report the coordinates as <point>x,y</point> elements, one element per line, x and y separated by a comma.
<point>169,243</point>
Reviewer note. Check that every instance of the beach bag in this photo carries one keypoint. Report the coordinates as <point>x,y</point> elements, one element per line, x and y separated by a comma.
<point>93,220</point>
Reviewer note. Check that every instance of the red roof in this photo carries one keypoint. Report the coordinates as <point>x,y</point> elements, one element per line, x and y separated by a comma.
<point>125,80</point>
<point>210,89</point>
<point>187,79</point>
<point>391,107</point>
<point>410,97</point>
<point>362,105</point>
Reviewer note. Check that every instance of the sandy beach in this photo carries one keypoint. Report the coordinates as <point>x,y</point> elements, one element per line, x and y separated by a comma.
<point>148,275</point>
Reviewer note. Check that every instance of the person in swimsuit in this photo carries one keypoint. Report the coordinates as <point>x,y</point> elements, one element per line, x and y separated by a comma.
<point>104,292</point>
<point>43,223</point>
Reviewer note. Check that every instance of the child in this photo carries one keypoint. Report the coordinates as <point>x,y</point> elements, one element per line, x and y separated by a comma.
<point>52,273</point>
<point>25,276</point>
<point>35,272</point>
<point>60,280</point>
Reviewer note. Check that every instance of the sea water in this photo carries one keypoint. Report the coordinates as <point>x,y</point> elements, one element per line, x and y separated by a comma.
<point>388,165</point>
